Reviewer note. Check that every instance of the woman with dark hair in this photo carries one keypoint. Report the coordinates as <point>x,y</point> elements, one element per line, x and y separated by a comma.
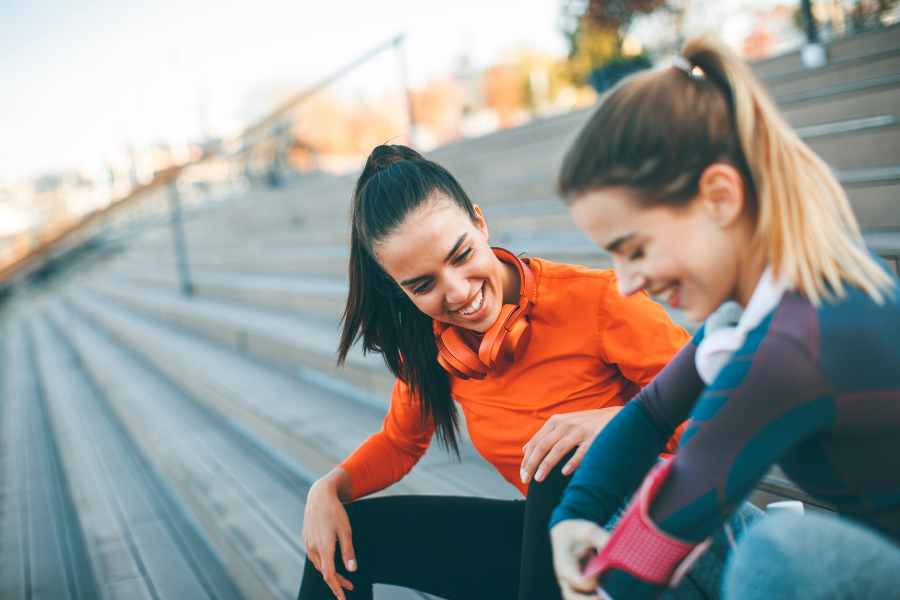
<point>540,357</point>
<point>704,195</point>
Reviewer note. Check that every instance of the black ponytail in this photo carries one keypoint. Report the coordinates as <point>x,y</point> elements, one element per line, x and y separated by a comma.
<point>395,181</point>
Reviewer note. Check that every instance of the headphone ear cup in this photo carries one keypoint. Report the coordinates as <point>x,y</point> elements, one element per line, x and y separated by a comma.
<point>519,336</point>
<point>490,343</point>
<point>511,347</point>
<point>446,364</point>
<point>457,353</point>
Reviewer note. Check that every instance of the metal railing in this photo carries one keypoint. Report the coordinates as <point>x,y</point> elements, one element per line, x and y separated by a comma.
<point>162,194</point>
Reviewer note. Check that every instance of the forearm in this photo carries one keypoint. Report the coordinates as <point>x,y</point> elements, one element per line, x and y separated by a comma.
<point>378,463</point>
<point>613,467</point>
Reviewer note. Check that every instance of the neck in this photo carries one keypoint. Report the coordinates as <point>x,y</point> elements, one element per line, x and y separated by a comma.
<point>751,269</point>
<point>512,283</point>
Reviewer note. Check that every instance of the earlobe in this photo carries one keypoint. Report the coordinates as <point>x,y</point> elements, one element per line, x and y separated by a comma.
<point>721,190</point>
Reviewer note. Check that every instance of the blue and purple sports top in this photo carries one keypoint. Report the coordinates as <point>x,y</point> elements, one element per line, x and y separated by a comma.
<point>814,389</point>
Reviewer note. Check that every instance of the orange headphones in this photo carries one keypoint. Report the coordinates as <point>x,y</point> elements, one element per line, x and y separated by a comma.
<point>503,344</point>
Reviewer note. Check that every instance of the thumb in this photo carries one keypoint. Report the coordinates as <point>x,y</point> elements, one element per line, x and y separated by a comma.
<point>598,537</point>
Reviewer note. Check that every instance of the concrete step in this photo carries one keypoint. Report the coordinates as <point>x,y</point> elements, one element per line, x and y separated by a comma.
<point>249,496</point>
<point>317,298</point>
<point>42,550</point>
<point>290,342</point>
<point>856,143</point>
<point>298,261</point>
<point>141,543</point>
<point>294,252</point>
<point>848,101</point>
<point>314,427</point>
<point>874,194</point>
<point>472,165</point>
<point>851,45</point>
<point>246,498</point>
<point>869,65</point>
<point>540,129</point>
<point>329,236</point>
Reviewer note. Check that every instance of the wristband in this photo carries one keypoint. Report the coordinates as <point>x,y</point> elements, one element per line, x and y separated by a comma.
<point>637,546</point>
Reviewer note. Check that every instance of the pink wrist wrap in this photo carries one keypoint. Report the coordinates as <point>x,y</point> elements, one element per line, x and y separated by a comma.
<point>639,547</point>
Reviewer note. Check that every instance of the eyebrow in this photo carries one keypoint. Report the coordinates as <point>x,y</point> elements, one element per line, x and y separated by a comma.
<point>459,242</point>
<point>619,241</point>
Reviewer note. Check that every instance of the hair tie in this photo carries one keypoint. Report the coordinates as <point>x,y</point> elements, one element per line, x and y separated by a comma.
<point>682,64</point>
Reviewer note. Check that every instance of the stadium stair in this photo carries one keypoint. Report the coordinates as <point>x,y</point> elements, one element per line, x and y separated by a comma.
<point>157,445</point>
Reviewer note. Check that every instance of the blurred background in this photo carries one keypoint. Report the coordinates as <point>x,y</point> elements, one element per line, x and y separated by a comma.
<point>174,188</point>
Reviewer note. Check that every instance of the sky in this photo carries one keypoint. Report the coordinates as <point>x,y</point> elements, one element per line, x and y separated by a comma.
<point>81,79</point>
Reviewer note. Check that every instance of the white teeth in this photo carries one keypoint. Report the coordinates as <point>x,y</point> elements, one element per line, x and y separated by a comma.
<point>475,305</point>
<point>666,294</point>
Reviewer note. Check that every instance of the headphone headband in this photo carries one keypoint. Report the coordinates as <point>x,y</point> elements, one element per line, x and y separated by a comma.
<point>528,283</point>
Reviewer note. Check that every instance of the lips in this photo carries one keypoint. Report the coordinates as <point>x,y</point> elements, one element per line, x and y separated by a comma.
<point>474,305</point>
<point>670,294</point>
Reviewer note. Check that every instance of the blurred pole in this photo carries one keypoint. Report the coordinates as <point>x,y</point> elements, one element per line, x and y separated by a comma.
<point>812,33</point>
<point>404,81</point>
<point>181,262</point>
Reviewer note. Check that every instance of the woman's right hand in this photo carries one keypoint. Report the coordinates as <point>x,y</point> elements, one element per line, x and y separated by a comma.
<point>325,522</point>
<point>573,541</point>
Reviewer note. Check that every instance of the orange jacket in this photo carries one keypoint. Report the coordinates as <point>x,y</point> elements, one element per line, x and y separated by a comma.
<point>589,348</point>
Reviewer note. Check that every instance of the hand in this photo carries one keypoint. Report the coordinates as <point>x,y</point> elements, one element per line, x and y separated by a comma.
<point>558,436</point>
<point>325,522</point>
<point>573,541</point>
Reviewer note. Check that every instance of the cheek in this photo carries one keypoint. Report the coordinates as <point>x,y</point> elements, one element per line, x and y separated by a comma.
<point>428,304</point>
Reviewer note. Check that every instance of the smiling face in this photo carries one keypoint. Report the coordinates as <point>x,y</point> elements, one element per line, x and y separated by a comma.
<point>693,257</point>
<point>442,261</point>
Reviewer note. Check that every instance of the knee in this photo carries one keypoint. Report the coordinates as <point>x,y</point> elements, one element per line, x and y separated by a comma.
<point>811,556</point>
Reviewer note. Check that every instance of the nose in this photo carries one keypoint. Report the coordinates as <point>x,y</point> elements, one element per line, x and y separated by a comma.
<point>629,281</point>
<point>456,291</point>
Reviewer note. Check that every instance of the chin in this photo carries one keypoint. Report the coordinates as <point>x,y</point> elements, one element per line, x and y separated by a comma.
<point>699,314</point>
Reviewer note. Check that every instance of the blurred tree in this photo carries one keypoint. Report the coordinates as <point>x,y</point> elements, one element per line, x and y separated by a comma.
<point>595,29</point>
<point>503,93</point>
<point>437,107</point>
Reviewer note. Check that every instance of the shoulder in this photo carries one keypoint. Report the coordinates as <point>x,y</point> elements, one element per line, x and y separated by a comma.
<point>572,286</point>
<point>572,277</point>
<point>856,339</point>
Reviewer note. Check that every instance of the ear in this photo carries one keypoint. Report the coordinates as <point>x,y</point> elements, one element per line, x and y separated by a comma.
<point>482,225</point>
<point>721,194</point>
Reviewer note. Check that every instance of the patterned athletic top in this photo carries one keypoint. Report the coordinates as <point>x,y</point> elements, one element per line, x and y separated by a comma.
<point>814,389</point>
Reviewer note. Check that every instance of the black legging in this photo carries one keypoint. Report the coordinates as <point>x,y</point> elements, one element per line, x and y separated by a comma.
<point>455,547</point>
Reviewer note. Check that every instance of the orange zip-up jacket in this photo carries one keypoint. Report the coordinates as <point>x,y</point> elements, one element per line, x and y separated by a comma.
<point>590,348</point>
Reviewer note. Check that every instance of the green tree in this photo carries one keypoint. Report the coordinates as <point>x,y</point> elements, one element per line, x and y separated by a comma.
<point>594,29</point>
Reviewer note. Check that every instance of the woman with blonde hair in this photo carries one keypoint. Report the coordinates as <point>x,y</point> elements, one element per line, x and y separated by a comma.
<point>705,197</point>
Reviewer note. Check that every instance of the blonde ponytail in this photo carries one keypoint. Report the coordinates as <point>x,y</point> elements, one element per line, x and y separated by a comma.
<point>658,131</point>
<point>805,223</point>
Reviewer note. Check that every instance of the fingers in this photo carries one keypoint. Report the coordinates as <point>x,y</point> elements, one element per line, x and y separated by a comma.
<point>346,540</point>
<point>560,449</point>
<point>345,583</point>
<point>531,466</point>
<point>529,448</point>
<point>569,594</point>
<point>575,461</point>
<point>598,537</point>
<point>332,578</point>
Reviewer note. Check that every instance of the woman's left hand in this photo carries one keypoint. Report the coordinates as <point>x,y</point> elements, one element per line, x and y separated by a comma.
<point>558,436</point>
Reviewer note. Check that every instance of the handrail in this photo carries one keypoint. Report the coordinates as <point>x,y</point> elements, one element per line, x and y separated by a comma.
<point>41,252</point>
